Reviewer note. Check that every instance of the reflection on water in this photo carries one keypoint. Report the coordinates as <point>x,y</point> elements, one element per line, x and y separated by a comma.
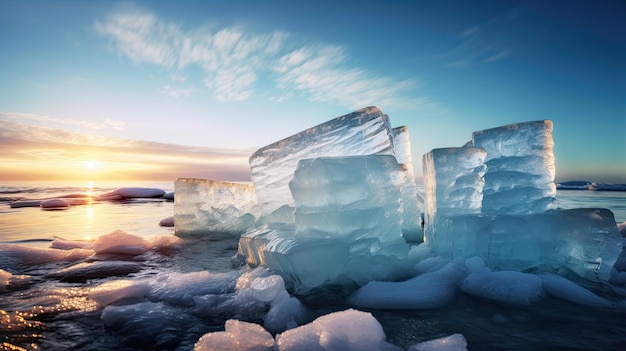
<point>85,222</point>
<point>42,312</point>
<point>80,222</point>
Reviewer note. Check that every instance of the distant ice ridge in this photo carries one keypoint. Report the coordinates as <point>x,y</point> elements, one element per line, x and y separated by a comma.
<point>337,205</point>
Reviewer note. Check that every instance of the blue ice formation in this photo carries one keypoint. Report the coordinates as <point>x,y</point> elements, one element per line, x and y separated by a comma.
<point>337,204</point>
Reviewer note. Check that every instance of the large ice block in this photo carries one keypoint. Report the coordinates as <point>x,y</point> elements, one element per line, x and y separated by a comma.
<point>584,240</point>
<point>348,198</point>
<point>348,225</point>
<point>203,207</point>
<point>453,183</point>
<point>520,168</point>
<point>363,132</point>
<point>413,203</point>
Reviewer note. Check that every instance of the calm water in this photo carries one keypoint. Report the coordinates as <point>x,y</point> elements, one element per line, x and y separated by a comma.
<point>48,314</point>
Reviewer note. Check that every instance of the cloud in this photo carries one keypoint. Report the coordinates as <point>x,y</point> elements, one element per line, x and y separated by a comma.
<point>176,93</point>
<point>234,60</point>
<point>498,56</point>
<point>33,152</point>
<point>107,123</point>
<point>320,72</point>
<point>488,42</point>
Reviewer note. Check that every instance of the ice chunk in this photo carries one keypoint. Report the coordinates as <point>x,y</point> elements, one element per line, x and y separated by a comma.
<point>426,291</point>
<point>10,281</point>
<point>453,186</point>
<point>147,325</point>
<point>167,222</point>
<point>121,243</point>
<point>286,312</point>
<point>413,203</point>
<point>64,244</point>
<point>564,289</point>
<point>348,198</point>
<point>54,204</point>
<point>339,331</point>
<point>309,263</point>
<point>177,288</point>
<point>109,292</point>
<point>25,203</point>
<point>520,168</point>
<point>238,335</point>
<point>454,342</point>
<point>508,287</point>
<point>81,272</point>
<point>265,289</point>
<point>134,192</point>
<point>13,257</point>
<point>208,207</point>
<point>585,241</point>
<point>348,225</point>
<point>363,132</point>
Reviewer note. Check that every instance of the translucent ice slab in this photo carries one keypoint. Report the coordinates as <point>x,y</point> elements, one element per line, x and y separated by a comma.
<point>363,132</point>
<point>520,168</point>
<point>208,207</point>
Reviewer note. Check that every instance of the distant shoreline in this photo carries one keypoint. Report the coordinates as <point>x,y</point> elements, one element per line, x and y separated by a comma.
<point>587,185</point>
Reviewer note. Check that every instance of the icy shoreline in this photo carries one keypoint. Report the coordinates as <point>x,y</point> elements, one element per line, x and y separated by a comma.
<point>172,292</point>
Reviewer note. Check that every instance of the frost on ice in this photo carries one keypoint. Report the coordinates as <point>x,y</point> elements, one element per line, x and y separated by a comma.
<point>337,204</point>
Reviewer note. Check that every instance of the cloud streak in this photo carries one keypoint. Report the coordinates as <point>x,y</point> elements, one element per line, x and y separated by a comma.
<point>32,152</point>
<point>233,61</point>
<point>107,123</point>
<point>491,41</point>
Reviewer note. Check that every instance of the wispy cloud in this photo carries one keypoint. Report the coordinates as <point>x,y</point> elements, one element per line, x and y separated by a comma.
<point>492,41</point>
<point>176,93</point>
<point>321,73</point>
<point>234,60</point>
<point>55,121</point>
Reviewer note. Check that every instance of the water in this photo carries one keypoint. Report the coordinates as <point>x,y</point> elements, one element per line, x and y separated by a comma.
<point>42,313</point>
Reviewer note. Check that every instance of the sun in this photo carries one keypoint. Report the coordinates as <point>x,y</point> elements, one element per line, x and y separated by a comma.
<point>91,165</point>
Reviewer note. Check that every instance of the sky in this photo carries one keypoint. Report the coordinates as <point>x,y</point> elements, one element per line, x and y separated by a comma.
<point>159,90</point>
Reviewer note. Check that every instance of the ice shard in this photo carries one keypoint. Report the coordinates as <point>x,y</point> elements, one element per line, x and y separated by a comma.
<point>412,201</point>
<point>453,183</point>
<point>520,168</point>
<point>363,132</point>
<point>208,207</point>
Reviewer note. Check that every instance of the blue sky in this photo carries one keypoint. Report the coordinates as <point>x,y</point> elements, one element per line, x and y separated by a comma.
<point>155,89</point>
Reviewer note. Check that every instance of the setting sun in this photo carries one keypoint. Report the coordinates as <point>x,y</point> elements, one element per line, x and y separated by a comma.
<point>91,165</point>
